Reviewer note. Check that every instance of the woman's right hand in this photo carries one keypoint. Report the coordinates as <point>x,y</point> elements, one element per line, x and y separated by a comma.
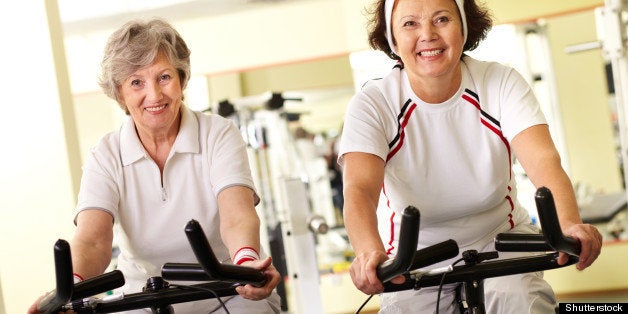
<point>34,310</point>
<point>364,275</point>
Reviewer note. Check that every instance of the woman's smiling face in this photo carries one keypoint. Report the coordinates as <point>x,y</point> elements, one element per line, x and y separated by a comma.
<point>153,96</point>
<point>428,36</point>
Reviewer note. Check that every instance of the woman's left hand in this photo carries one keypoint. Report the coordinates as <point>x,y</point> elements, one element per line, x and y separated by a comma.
<point>258,293</point>
<point>590,244</point>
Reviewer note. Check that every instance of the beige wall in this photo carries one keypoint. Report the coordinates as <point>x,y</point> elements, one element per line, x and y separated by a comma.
<point>508,11</point>
<point>36,181</point>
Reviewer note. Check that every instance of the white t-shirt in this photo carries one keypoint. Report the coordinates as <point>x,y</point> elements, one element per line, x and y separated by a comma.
<point>151,211</point>
<point>450,160</point>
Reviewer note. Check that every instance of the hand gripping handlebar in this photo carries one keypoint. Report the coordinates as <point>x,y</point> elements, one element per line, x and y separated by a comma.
<point>209,268</point>
<point>408,240</point>
<point>64,280</point>
<point>407,256</point>
<point>552,238</point>
<point>66,290</point>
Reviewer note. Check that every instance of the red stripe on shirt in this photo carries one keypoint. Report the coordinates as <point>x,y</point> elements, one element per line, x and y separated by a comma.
<point>402,134</point>
<point>471,100</point>
<point>392,234</point>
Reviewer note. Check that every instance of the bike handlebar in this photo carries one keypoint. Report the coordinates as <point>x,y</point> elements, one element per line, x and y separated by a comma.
<point>435,253</point>
<point>552,238</point>
<point>64,279</point>
<point>66,290</point>
<point>99,284</point>
<point>481,271</point>
<point>221,281</point>
<point>212,268</point>
<point>409,232</point>
<point>408,257</point>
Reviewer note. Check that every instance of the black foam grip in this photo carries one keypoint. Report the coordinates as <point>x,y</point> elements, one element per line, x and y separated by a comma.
<point>408,240</point>
<point>64,280</point>
<point>214,269</point>
<point>99,284</point>
<point>435,253</point>
<point>521,242</point>
<point>548,218</point>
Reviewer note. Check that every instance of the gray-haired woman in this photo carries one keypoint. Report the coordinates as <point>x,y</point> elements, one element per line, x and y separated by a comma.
<point>165,166</point>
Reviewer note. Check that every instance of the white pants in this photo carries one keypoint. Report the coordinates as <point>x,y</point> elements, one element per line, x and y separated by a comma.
<point>521,293</point>
<point>235,305</point>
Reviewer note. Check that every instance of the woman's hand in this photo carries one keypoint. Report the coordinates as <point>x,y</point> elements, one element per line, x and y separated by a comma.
<point>34,310</point>
<point>590,244</point>
<point>258,293</point>
<point>364,275</point>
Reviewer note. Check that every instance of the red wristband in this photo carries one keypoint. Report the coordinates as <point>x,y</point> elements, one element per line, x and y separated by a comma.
<point>245,254</point>
<point>78,278</point>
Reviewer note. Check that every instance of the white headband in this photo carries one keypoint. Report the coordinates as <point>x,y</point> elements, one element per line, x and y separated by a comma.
<point>388,8</point>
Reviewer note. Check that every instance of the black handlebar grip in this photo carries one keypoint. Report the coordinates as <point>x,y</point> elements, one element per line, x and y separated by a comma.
<point>214,269</point>
<point>184,272</point>
<point>521,242</point>
<point>551,226</point>
<point>435,253</point>
<point>99,284</point>
<point>64,280</point>
<point>408,240</point>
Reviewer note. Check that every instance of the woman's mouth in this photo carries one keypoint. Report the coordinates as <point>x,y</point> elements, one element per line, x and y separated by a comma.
<point>155,109</point>
<point>431,53</point>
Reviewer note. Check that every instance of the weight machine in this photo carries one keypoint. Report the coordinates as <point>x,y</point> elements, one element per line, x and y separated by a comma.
<point>612,30</point>
<point>293,208</point>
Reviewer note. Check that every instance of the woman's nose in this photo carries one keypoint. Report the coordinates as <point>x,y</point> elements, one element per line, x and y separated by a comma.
<point>427,33</point>
<point>154,92</point>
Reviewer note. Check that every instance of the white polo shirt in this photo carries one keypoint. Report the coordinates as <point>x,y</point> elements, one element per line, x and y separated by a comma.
<point>151,211</point>
<point>451,160</point>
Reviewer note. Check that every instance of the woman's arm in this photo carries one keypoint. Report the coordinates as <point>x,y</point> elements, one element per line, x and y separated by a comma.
<point>92,243</point>
<point>239,228</point>
<point>537,154</point>
<point>239,223</point>
<point>363,176</point>
<point>90,247</point>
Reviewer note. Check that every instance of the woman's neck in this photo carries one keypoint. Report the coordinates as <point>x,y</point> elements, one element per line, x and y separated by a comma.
<point>436,90</point>
<point>159,143</point>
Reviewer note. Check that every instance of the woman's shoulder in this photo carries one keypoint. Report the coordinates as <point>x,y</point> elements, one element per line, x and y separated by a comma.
<point>382,90</point>
<point>209,121</point>
<point>108,142</point>
<point>381,83</point>
<point>476,66</point>
<point>106,152</point>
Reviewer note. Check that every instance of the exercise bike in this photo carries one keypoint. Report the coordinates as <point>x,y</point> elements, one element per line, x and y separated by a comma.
<point>478,265</point>
<point>219,280</point>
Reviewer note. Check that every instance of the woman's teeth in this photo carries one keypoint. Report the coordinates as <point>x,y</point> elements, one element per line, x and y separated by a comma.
<point>155,108</point>
<point>430,53</point>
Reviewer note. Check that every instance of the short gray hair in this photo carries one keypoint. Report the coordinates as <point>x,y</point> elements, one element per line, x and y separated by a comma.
<point>135,45</point>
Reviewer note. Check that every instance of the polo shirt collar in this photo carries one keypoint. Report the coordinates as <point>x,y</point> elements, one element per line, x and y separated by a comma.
<point>187,141</point>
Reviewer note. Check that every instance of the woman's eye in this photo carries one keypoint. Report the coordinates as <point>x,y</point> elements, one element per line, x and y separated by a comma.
<point>165,77</point>
<point>442,19</point>
<point>135,83</point>
<point>409,23</point>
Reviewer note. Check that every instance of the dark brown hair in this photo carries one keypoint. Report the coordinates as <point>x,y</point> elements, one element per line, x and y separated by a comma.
<point>479,22</point>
